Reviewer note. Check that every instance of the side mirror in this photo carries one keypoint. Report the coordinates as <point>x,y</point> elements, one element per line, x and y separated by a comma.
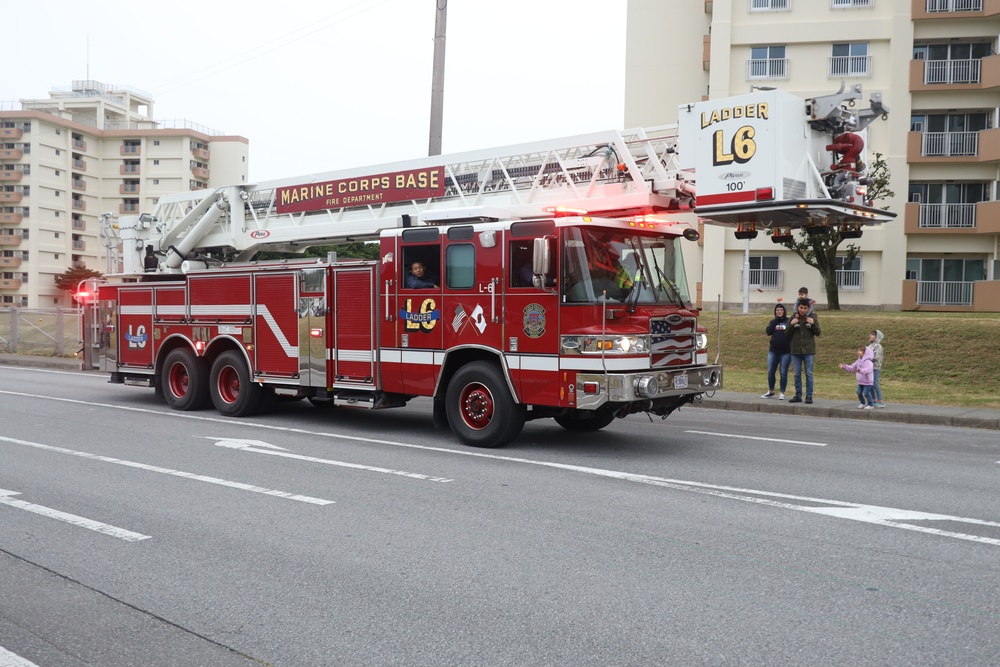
<point>541,260</point>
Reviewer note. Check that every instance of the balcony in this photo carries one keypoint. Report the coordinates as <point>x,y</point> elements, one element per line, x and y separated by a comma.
<point>11,133</point>
<point>765,279</point>
<point>11,153</point>
<point>10,262</point>
<point>129,169</point>
<point>10,240</point>
<point>769,68</point>
<point>79,164</point>
<point>128,188</point>
<point>10,218</point>
<point>130,150</point>
<point>128,208</point>
<point>706,52</point>
<point>10,197</point>
<point>10,283</point>
<point>952,147</point>
<point>79,244</point>
<point>79,205</point>
<point>79,144</point>
<point>201,153</point>
<point>849,66</point>
<point>850,280</point>
<point>922,10</point>
<point>955,75</point>
<point>200,173</point>
<point>979,218</point>
<point>79,184</point>
<point>80,225</point>
<point>11,175</point>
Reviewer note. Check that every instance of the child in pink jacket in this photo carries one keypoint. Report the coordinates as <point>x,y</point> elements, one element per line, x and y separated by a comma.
<point>865,373</point>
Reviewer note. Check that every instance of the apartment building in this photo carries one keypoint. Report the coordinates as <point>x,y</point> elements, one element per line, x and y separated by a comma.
<point>935,63</point>
<point>90,149</point>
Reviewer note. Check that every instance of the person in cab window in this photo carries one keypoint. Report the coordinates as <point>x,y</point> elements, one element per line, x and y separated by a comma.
<point>419,278</point>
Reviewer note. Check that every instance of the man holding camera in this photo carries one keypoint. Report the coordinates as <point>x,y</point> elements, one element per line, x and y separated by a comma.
<point>803,329</point>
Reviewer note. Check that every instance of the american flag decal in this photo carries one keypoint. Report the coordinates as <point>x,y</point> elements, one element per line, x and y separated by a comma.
<point>672,344</point>
<point>460,317</point>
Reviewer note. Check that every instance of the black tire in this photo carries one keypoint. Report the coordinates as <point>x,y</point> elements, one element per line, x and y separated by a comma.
<point>234,392</point>
<point>584,421</point>
<point>184,380</point>
<point>480,408</point>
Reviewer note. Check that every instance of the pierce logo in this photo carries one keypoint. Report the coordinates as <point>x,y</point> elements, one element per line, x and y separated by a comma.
<point>734,175</point>
<point>259,234</point>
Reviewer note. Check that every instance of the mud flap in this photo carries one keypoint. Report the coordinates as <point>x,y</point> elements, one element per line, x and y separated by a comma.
<point>440,418</point>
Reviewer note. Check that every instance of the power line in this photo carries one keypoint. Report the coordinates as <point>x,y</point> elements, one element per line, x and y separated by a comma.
<point>245,56</point>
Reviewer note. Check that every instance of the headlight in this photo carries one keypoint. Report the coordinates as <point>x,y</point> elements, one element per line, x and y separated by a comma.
<point>607,345</point>
<point>702,339</point>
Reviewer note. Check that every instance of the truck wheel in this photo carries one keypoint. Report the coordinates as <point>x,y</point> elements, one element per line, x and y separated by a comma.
<point>480,408</point>
<point>184,380</point>
<point>234,392</point>
<point>585,421</point>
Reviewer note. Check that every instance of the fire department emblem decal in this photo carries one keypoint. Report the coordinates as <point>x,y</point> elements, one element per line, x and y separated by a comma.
<point>534,320</point>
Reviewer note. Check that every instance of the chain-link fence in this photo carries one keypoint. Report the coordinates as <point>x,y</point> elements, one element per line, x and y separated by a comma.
<point>54,333</point>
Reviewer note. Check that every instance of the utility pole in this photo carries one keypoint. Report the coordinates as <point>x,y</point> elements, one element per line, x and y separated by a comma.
<point>437,82</point>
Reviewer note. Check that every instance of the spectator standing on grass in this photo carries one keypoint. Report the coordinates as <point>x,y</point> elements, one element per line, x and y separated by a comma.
<point>778,355</point>
<point>862,369</point>
<point>803,329</point>
<point>875,344</point>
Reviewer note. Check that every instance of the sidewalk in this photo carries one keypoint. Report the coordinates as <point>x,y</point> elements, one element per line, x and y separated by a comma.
<point>722,400</point>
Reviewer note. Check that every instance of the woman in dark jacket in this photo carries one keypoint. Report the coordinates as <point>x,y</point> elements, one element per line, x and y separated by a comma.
<point>778,354</point>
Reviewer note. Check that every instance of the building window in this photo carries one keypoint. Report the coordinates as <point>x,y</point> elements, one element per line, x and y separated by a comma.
<point>156,162</point>
<point>950,134</point>
<point>764,273</point>
<point>850,60</point>
<point>460,266</point>
<point>850,277</point>
<point>767,62</point>
<point>156,142</point>
<point>770,5</point>
<point>58,152</point>
<point>848,4</point>
<point>947,282</point>
<point>948,205</point>
<point>58,173</point>
<point>58,132</point>
<point>952,62</point>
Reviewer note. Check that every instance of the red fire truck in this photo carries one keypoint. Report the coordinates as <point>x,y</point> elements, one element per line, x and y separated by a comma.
<point>542,280</point>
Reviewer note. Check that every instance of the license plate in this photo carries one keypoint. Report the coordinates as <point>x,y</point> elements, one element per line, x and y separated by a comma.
<point>680,381</point>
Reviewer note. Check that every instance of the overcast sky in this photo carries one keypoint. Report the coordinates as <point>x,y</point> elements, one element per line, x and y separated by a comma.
<point>320,86</point>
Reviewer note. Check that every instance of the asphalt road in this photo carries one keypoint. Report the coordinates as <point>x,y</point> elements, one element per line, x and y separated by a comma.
<point>134,535</point>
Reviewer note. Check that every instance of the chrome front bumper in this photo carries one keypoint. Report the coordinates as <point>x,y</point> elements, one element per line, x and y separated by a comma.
<point>628,387</point>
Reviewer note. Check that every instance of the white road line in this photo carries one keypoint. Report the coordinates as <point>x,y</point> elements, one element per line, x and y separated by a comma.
<point>90,524</point>
<point>751,437</point>
<point>168,471</point>
<point>746,495</point>
<point>8,659</point>
<point>259,447</point>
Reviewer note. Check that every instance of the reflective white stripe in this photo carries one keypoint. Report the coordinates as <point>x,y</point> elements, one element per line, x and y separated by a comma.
<point>353,355</point>
<point>422,357</point>
<point>170,310</point>
<point>611,363</point>
<point>220,309</point>
<point>135,310</point>
<point>527,362</point>
<point>290,350</point>
<point>390,356</point>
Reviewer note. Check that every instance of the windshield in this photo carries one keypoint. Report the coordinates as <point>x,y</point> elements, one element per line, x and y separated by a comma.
<point>623,266</point>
